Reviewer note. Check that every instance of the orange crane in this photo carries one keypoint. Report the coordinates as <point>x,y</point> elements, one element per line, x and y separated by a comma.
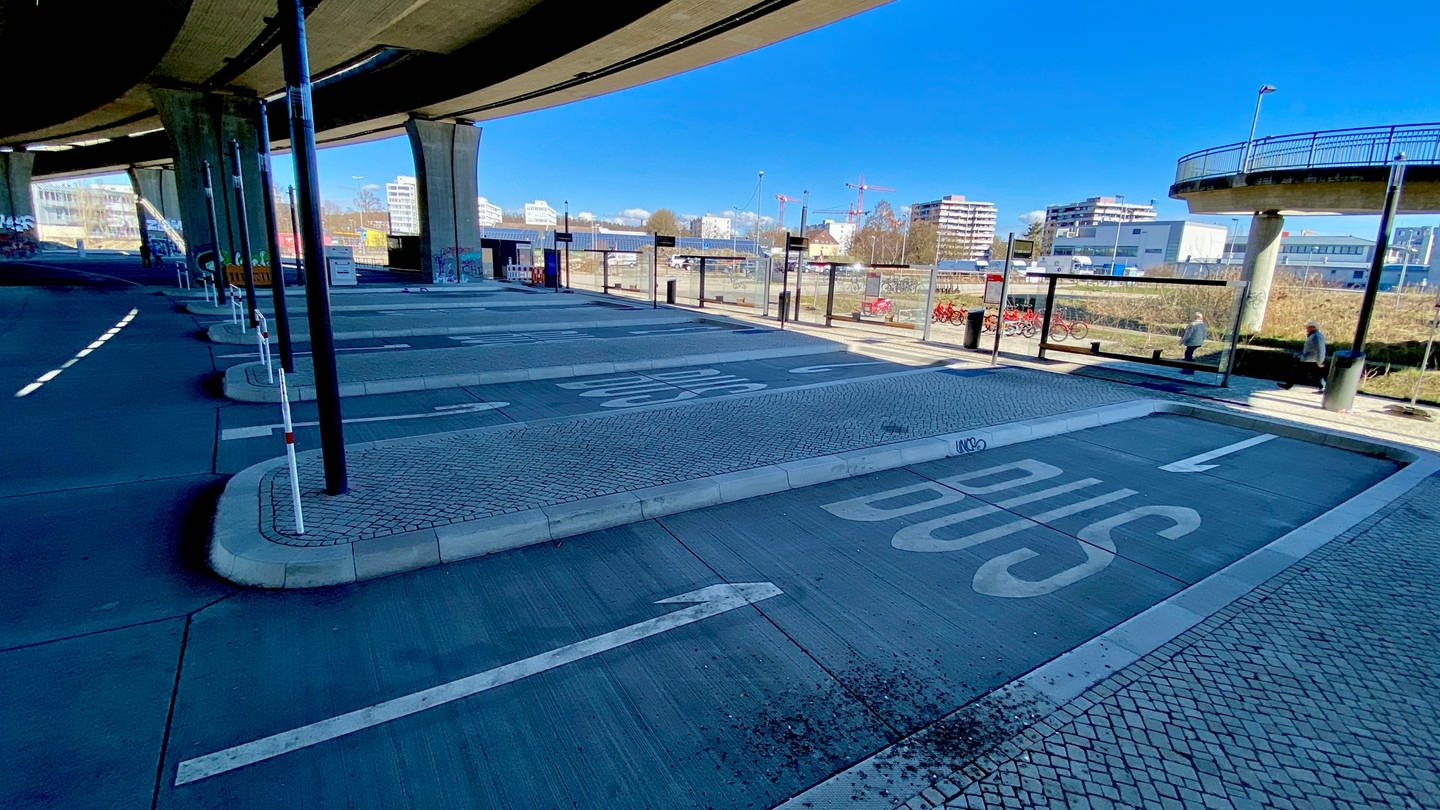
<point>784,199</point>
<point>861,188</point>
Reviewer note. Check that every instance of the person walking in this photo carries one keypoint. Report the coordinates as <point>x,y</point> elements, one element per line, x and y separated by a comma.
<point>1193,339</point>
<point>1309,366</point>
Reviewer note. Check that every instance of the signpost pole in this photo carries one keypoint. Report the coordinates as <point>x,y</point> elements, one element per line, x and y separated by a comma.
<point>1004,296</point>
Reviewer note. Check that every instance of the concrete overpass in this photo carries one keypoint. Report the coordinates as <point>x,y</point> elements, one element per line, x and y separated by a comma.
<point>1340,171</point>
<point>118,88</point>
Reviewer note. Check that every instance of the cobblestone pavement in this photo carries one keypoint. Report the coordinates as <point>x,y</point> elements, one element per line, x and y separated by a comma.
<point>413,484</point>
<point>379,366</point>
<point>1315,690</point>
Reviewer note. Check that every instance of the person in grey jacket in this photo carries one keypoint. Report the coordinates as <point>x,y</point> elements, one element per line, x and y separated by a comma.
<point>1310,365</point>
<point>1193,339</point>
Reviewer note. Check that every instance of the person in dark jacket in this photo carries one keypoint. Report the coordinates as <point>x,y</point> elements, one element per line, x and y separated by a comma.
<point>1309,366</point>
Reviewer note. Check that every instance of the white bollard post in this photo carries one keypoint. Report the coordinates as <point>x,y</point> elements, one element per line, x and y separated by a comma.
<point>290,454</point>
<point>262,334</point>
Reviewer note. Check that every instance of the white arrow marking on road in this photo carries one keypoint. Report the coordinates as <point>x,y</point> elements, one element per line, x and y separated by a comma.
<point>346,349</point>
<point>1194,463</point>
<point>832,367</point>
<point>258,431</point>
<point>713,601</point>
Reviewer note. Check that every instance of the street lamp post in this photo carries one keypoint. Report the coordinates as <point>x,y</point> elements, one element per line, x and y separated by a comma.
<point>1250,141</point>
<point>1230,239</point>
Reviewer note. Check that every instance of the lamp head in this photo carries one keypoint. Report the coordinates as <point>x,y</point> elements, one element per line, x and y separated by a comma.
<point>1267,88</point>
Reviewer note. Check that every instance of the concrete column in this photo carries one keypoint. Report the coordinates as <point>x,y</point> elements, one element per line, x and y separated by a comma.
<point>156,185</point>
<point>1261,251</point>
<point>200,126</point>
<point>446,159</point>
<point>17,206</point>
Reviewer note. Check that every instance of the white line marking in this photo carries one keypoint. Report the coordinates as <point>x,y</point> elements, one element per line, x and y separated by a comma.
<point>833,366</point>
<point>259,431</point>
<point>676,329</point>
<point>1194,463</point>
<point>100,341</point>
<point>713,601</point>
<point>348,349</point>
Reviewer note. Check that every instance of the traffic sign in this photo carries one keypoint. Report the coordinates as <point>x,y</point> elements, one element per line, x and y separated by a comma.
<point>1024,249</point>
<point>797,243</point>
<point>562,236</point>
<point>664,241</point>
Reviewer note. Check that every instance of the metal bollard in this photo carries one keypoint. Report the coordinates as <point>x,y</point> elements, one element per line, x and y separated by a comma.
<point>290,454</point>
<point>262,334</point>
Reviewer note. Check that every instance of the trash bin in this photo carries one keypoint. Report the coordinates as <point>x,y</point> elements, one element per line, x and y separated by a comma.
<point>1347,369</point>
<point>974,324</point>
<point>669,290</point>
<point>785,299</point>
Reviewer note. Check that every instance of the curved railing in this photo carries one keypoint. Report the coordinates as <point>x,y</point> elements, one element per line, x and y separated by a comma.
<point>1371,146</point>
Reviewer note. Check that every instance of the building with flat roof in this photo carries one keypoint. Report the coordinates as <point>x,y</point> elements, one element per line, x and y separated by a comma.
<point>964,228</point>
<point>487,213</point>
<point>1094,211</point>
<point>710,226</point>
<point>1116,248</point>
<point>540,213</point>
<point>402,197</point>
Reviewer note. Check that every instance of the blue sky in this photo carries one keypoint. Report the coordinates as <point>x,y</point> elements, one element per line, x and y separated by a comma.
<point>1020,104</point>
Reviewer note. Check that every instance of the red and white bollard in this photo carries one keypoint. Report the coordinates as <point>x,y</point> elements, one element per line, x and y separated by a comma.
<point>262,334</point>
<point>236,308</point>
<point>290,454</point>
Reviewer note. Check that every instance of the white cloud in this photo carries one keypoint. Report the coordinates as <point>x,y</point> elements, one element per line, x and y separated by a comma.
<point>633,216</point>
<point>371,187</point>
<point>1032,217</point>
<point>585,216</point>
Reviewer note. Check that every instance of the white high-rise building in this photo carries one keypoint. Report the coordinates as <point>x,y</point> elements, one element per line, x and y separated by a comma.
<point>712,227</point>
<point>540,213</point>
<point>1070,217</point>
<point>964,228</point>
<point>486,212</point>
<point>402,197</point>
<point>1114,248</point>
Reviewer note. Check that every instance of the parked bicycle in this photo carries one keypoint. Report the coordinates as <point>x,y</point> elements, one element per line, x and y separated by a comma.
<point>1016,323</point>
<point>945,312</point>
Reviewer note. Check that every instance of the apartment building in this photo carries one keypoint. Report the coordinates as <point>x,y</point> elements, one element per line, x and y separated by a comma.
<point>965,228</point>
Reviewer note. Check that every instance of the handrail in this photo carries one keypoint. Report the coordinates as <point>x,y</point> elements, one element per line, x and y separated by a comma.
<point>1365,146</point>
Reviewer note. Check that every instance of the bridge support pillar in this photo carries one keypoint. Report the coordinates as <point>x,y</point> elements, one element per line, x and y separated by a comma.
<point>17,207</point>
<point>157,186</point>
<point>200,126</point>
<point>446,159</point>
<point>1261,251</point>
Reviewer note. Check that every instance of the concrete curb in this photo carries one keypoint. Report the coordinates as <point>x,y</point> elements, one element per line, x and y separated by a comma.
<point>239,387</point>
<point>241,554</point>
<point>1056,683</point>
<point>229,334</point>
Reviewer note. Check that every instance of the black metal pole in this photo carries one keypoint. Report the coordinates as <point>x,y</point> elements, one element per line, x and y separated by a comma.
<point>245,262</point>
<point>700,299</point>
<point>800,257</point>
<point>830,295</point>
<point>1377,263</point>
<point>1049,312</point>
<point>567,245</point>
<point>785,283</point>
<point>317,294</point>
<point>654,272</point>
<point>215,272</point>
<point>605,272</point>
<point>272,234</point>
<point>295,240</point>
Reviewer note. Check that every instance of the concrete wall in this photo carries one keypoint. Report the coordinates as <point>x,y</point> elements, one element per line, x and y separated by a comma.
<point>17,207</point>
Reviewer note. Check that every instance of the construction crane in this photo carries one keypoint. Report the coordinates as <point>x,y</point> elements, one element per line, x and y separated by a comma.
<point>784,199</point>
<point>861,188</point>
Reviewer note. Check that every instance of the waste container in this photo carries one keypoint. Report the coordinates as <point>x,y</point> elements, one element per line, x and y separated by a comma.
<point>1347,369</point>
<point>669,290</point>
<point>974,324</point>
<point>785,298</point>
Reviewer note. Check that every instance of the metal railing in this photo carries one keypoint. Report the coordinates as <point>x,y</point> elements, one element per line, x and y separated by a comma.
<point>1370,146</point>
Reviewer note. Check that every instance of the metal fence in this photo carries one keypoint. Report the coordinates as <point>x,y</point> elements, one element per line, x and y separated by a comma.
<point>1370,146</point>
